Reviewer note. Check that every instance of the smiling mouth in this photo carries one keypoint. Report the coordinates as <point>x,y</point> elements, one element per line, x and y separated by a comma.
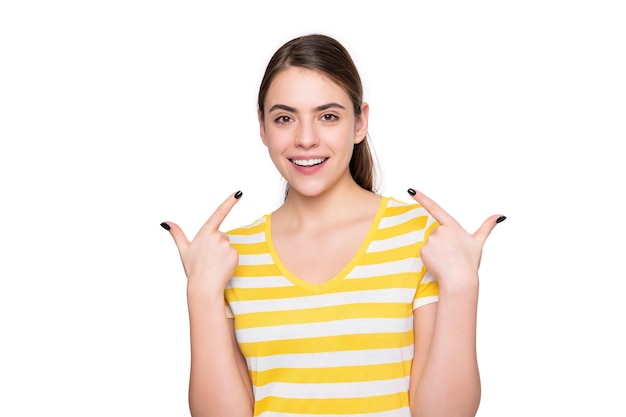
<point>308,162</point>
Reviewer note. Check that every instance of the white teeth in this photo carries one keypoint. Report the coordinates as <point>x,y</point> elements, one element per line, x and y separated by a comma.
<point>308,162</point>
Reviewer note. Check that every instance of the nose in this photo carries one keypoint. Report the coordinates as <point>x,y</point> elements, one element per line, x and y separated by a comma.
<point>306,135</point>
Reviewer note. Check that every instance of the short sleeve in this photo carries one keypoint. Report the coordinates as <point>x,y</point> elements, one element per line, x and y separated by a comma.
<point>428,288</point>
<point>427,291</point>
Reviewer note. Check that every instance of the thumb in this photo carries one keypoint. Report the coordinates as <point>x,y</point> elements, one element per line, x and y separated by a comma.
<point>485,229</point>
<point>178,235</point>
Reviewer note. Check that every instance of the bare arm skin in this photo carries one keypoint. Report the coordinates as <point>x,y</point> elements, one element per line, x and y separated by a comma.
<point>219,385</point>
<point>445,380</point>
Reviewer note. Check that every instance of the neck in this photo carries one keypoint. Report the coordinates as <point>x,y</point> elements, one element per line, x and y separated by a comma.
<point>340,204</point>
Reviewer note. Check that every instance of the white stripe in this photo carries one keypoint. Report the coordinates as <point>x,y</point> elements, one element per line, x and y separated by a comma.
<point>256,223</point>
<point>259,282</point>
<point>336,390</point>
<point>424,301</point>
<point>388,295</point>
<point>255,238</point>
<point>403,412</point>
<point>430,220</point>
<point>397,203</point>
<point>331,359</point>
<point>323,329</point>
<point>428,277</point>
<point>261,259</point>
<point>386,268</point>
<point>389,221</point>
<point>406,239</point>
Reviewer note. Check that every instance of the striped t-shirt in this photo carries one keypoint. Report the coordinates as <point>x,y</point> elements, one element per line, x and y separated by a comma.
<point>341,348</point>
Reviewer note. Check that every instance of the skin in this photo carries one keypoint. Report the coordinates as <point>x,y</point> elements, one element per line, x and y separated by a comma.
<point>219,384</point>
<point>447,382</point>
<point>309,116</point>
<point>326,214</point>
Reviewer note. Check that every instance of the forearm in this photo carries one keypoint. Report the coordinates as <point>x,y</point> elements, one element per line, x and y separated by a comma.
<point>216,387</point>
<point>450,383</point>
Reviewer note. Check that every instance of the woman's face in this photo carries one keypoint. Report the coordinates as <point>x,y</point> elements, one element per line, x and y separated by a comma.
<point>310,130</point>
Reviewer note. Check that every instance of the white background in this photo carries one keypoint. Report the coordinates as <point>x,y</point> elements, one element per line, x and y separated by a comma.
<point>118,115</point>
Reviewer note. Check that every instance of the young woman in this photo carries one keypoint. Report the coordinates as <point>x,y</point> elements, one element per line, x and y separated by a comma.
<point>341,302</point>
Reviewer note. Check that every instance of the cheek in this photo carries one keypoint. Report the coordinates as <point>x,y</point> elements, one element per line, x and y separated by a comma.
<point>276,138</point>
<point>342,138</point>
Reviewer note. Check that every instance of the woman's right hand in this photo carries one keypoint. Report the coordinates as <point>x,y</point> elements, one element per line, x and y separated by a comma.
<point>209,260</point>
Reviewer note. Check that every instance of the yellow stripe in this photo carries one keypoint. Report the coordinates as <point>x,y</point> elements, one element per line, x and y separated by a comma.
<point>251,294</point>
<point>329,344</point>
<point>341,374</point>
<point>359,406</point>
<point>430,230</point>
<point>248,230</point>
<point>404,280</point>
<point>331,313</point>
<point>427,289</point>
<point>384,282</point>
<point>412,225</point>
<point>390,255</point>
<point>257,270</point>
<point>397,210</point>
<point>250,248</point>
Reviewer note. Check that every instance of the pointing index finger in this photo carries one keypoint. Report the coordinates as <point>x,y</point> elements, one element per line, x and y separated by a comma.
<point>216,219</point>
<point>433,208</point>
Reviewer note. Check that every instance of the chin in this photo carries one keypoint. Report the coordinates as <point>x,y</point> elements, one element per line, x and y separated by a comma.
<point>308,190</point>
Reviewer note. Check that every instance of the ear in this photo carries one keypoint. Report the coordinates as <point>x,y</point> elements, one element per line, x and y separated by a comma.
<point>360,127</point>
<point>262,127</point>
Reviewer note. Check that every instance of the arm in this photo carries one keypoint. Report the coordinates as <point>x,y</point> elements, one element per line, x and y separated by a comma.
<point>445,380</point>
<point>219,384</point>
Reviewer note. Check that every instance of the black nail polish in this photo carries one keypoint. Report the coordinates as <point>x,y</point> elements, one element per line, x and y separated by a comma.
<point>238,194</point>
<point>165,226</point>
<point>501,219</point>
<point>411,191</point>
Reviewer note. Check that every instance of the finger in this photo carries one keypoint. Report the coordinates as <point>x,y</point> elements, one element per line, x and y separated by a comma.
<point>179,237</point>
<point>485,229</point>
<point>433,208</point>
<point>220,214</point>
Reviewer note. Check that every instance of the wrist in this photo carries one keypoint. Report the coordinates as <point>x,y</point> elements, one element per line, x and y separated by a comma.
<point>463,285</point>
<point>204,294</point>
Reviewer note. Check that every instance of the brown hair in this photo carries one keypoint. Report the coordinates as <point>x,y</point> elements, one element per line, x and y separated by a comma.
<point>326,55</point>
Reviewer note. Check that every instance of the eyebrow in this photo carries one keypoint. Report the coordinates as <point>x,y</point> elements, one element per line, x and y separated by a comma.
<point>318,108</point>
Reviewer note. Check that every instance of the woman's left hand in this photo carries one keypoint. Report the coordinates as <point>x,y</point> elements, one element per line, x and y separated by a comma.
<point>450,253</point>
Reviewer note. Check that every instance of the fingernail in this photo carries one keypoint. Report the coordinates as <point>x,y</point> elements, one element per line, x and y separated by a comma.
<point>238,195</point>
<point>501,219</point>
<point>411,191</point>
<point>165,226</point>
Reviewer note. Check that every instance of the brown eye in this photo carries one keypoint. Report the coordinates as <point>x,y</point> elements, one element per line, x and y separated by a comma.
<point>282,119</point>
<point>329,117</point>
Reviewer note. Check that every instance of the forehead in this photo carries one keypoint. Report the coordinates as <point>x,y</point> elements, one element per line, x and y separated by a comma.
<point>296,84</point>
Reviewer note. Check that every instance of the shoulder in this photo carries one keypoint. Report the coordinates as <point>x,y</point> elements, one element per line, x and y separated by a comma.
<point>398,212</point>
<point>249,233</point>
